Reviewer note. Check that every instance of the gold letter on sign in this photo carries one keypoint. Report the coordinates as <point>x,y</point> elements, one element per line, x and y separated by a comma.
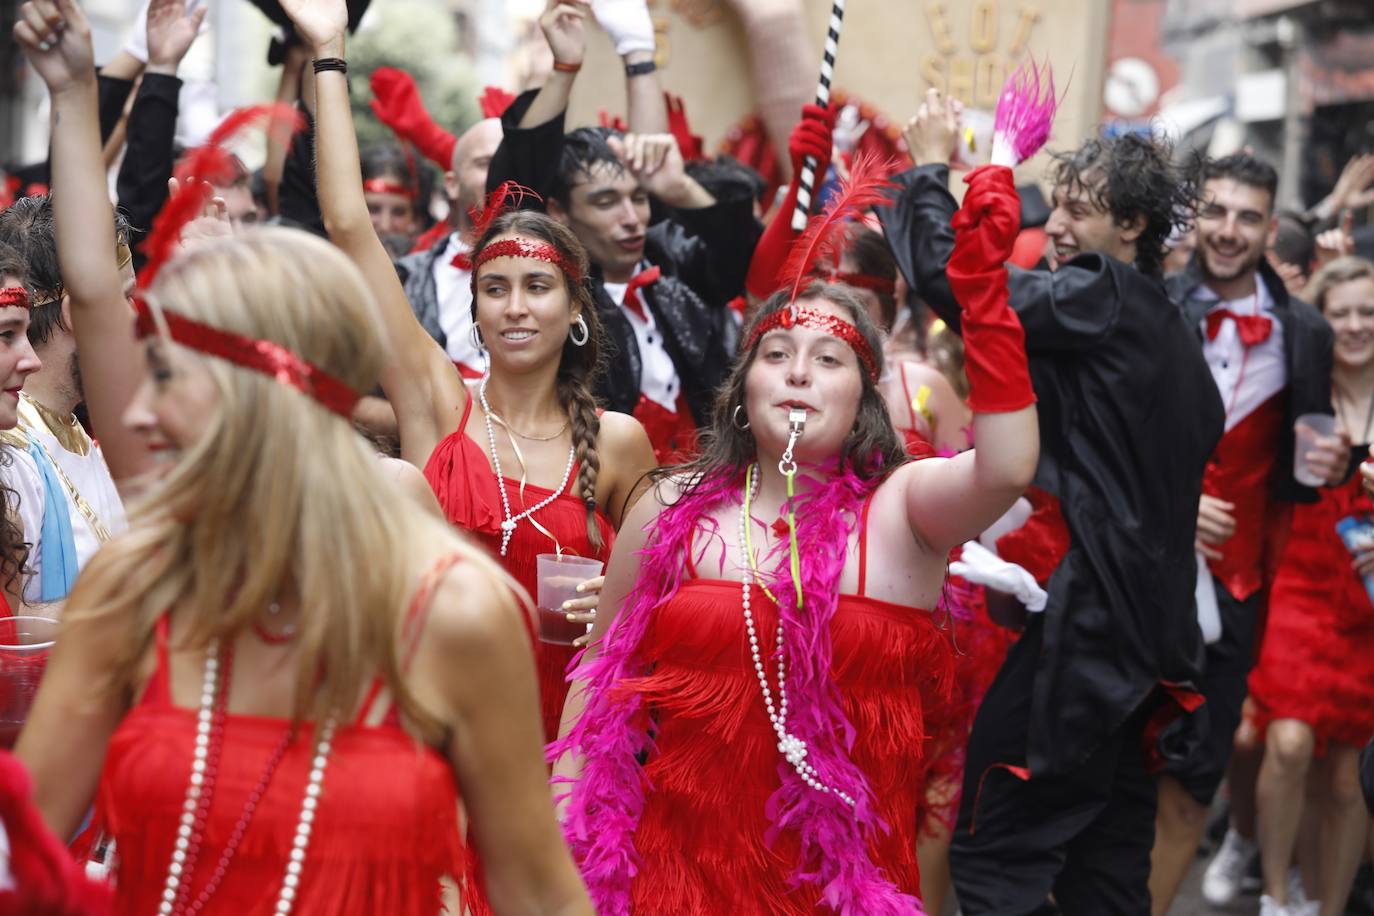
<point>961,79</point>
<point>663,50</point>
<point>982,27</point>
<point>939,27</point>
<point>933,69</point>
<point>1029,16</point>
<point>988,77</point>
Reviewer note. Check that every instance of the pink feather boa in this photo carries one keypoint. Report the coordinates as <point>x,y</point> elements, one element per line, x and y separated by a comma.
<point>605,803</point>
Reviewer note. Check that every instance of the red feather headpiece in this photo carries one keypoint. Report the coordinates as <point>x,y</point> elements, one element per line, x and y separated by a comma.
<point>204,167</point>
<point>508,196</point>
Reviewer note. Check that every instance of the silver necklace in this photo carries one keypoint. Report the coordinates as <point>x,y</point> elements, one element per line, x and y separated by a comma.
<point>508,525</point>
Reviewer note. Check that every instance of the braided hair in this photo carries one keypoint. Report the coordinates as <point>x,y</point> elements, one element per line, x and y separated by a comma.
<point>579,366</point>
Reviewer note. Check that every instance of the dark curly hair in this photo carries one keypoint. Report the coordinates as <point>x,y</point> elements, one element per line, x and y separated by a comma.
<point>1132,176</point>
<point>28,228</point>
<point>14,550</point>
<point>580,366</point>
<point>872,450</point>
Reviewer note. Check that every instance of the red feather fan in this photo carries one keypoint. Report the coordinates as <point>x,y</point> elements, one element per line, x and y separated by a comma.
<point>203,167</point>
<point>826,232</point>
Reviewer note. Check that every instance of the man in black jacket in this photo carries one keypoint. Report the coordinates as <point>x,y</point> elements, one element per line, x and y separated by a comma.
<point>1058,793</point>
<point>1270,356</point>
<point>661,289</point>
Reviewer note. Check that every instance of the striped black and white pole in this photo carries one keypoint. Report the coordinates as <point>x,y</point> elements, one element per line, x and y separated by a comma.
<point>808,175</point>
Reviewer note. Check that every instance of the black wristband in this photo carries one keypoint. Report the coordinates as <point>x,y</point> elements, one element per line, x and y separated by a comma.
<point>330,63</point>
<point>642,68</point>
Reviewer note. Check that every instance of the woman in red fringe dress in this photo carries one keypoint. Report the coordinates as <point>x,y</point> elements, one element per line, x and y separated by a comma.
<point>275,681</point>
<point>523,460</point>
<point>747,730</point>
<point>1313,689</point>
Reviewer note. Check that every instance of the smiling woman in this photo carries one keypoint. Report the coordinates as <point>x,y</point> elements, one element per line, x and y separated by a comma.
<point>541,471</point>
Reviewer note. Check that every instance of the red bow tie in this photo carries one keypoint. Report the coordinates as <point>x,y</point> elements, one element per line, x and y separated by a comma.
<point>640,280</point>
<point>1253,329</point>
<point>462,260</point>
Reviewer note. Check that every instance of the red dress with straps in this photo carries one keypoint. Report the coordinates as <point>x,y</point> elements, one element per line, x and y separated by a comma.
<point>1315,665</point>
<point>462,478</point>
<point>703,836</point>
<point>386,829</point>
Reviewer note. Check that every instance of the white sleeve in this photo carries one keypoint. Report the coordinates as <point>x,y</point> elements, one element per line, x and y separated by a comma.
<point>20,473</point>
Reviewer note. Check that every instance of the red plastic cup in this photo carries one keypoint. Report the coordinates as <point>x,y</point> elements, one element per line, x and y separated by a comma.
<point>25,643</point>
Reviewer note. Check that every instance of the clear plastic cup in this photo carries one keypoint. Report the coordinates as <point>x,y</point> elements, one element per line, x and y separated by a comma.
<point>1309,427</point>
<point>559,575</point>
<point>24,646</point>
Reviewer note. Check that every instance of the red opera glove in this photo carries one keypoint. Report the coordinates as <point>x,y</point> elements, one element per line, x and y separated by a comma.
<point>994,342</point>
<point>811,137</point>
<point>397,104</point>
<point>688,143</point>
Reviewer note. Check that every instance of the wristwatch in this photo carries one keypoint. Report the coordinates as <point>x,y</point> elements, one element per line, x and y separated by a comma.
<point>643,68</point>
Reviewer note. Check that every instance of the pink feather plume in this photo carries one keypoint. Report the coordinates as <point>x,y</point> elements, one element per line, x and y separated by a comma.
<point>1025,113</point>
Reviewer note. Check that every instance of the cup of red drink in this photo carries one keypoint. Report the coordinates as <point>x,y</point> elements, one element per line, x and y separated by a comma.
<point>559,576</point>
<point>25,643</point>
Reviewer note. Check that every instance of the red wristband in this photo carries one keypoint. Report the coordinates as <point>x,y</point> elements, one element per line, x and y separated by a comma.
<point>567,68</point>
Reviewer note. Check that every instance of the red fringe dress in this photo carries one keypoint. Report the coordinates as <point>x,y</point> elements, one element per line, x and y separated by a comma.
<point>462,478</point>
<point>385,833</point>
<point>704,836</point>
<point>1315,663</point>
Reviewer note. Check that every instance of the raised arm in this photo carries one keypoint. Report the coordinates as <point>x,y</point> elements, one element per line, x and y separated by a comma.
<point>56,38</point>
<point>1071,308</point>
<point>953,501</point>
<point>419,379</point>
<point>631,30</point>
<point>564,27</point>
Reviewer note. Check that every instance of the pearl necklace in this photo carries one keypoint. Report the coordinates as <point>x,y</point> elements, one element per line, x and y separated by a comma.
<point>792,748</point>
<point>193,813</point>
<point>508,525</point>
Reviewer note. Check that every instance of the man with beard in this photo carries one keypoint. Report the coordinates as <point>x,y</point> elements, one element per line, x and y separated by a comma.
<point>68,504</point>
<point>437,281</point>
<point>1270,356</point>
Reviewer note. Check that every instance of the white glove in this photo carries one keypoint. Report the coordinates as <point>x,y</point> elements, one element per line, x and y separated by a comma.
<point>983,567</point>
<point>137,42</point>
<point>627,22</point>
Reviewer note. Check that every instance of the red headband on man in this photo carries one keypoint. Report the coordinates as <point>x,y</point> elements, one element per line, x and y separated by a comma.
<point>15,297</point>
<point>387,186</point>
<point>864,281</point>
<point>818,321</point>
<point>271,359</point>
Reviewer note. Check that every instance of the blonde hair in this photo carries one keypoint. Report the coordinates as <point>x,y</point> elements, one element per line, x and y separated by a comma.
<point>1335,273</point>
<point>279,497</point>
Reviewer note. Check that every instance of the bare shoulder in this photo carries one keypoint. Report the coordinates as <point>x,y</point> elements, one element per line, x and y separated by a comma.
<point>474,611</point>
<point>620,431</point>
<point>410,480</point>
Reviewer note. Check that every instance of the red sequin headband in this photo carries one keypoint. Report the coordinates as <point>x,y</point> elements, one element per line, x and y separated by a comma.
<point>383,186</point>
<point>864,281</point>
<point>819,321</point>
<point>15,296</point>
<point>264,356</point>
<point>525,248</point>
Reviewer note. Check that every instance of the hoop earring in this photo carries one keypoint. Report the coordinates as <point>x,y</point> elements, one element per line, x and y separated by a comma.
<point>476,335</point>
<point>734,419</point>
<point>586,332</point>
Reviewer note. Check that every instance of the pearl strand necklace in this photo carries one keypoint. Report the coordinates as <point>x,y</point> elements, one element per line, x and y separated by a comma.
<point>792,748</point>
<point>508,525</point>
<point>186,828</point>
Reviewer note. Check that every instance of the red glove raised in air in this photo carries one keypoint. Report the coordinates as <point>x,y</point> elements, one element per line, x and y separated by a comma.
<point>811,137</point>
<point>397,104</point>
<point>994,342</point>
